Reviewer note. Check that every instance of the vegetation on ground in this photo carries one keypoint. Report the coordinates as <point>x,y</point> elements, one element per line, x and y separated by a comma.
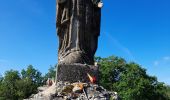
<point>130,80</point>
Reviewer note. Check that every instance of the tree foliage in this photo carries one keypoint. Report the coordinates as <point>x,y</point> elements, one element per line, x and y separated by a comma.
<point>25,87</point>
<point>8,85</point>
<point>168,91</point>
<point>130,80</point>
<point>16,86</point>
<point>33,75</point>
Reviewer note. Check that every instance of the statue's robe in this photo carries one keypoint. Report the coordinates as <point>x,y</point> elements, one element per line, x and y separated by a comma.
<point>78,28</point>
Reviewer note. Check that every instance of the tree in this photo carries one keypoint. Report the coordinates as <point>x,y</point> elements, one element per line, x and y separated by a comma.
<point>33,75</point>
<point>31,80</point>
<point>168,91</point>
<point>130,80</point>
<point>8,86</point>
<point>25,87</point>
<point>1,79</point>
<point>17,87</point>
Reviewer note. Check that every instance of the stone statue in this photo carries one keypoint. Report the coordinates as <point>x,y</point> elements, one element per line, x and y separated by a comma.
<point>78,28</point>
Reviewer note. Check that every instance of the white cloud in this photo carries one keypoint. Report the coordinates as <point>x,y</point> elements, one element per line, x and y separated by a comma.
<point>120,46</point>
<point>3,60</point>
<point>163,61</point>
<point>156,63</point>
<point>166,58</point>
<point>161,70</point>
<point>4,63</point>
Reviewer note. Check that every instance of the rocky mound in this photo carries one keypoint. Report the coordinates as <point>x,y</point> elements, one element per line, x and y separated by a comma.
<point>74,91</point>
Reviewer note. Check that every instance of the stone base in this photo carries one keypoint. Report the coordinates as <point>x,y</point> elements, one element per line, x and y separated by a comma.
<point>65,91</point>
<point>76,72</point>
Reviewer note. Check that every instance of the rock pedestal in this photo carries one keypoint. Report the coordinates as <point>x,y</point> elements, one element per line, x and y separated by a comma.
<point>76,72</point>
<point>66,91</point>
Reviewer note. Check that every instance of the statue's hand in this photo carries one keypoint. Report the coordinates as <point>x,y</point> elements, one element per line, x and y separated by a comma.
<point>61,1</point>
<point>100,4</point>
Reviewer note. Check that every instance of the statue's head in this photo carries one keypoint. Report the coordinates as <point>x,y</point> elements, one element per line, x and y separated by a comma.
<point>100,4</point>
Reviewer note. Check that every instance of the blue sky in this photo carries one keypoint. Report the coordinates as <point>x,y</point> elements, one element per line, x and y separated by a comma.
<point>137,30</point>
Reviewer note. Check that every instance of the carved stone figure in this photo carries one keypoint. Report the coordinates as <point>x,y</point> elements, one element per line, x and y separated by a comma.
<point>78,28</point>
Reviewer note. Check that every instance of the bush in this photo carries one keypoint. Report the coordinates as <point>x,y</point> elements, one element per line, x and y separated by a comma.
<point>130,80</point>
<point>16,86</point>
